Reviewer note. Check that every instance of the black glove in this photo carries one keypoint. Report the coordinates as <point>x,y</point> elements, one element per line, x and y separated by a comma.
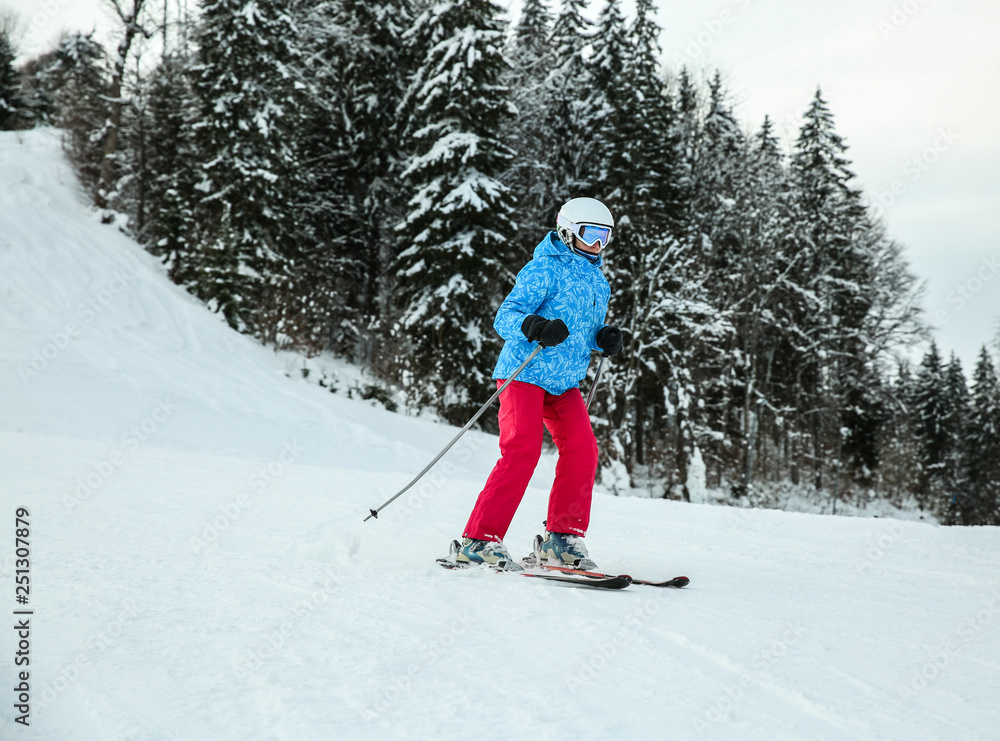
<point>548,332</point>
<point>609,339</point>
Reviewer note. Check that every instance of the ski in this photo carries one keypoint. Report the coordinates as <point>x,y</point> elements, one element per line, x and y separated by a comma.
<point>606,581</point>
<point>565,574</point>
<point>676,583</point>
<point>532,561</point>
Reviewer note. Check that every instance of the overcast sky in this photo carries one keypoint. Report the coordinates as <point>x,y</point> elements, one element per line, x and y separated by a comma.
<point>914,86</point>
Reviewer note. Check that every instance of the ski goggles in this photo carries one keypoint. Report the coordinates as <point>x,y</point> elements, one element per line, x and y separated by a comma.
<point>589,234</point>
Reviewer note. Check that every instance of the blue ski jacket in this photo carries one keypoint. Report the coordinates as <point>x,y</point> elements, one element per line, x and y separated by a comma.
<point>557,283</point>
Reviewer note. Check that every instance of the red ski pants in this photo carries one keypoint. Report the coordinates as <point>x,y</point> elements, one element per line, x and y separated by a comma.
<point>524,408</point>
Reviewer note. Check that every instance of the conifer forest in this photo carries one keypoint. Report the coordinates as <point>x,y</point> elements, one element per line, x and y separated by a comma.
<point>365,179</point>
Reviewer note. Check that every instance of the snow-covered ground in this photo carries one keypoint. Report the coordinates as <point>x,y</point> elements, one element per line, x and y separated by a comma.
<point>200,568</point>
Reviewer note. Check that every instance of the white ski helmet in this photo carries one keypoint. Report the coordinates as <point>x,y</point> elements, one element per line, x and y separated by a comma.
<point>587,218</point>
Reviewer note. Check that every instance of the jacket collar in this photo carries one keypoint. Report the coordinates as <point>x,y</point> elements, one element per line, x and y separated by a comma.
<point>552,246</point>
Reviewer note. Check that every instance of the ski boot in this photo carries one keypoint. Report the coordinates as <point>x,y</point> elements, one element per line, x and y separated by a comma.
<point>562,549</point>
<point>490,552</point>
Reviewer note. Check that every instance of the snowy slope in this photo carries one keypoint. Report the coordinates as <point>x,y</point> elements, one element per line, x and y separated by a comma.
<point>201,569</point>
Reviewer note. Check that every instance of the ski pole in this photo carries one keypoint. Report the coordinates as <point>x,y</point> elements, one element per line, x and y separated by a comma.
<point>477,415</point>
<point>593,388</point>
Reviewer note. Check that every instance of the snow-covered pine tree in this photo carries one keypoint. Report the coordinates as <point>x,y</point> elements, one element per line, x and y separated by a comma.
<point>899,473</point>
<point>860,299</point>
<point>356,70</point>
<point>529,42</point>
<point>569,123</point>
<point>714,183</point>
<point>607,98</point>
<point>767,157</point>
<point>687,104</point>
<point>125,195</point>
<point>530,176</point>
<point>452,272</point>
<point>831,226</point>
<point>955,423</point>
<point>131,18</point>
<point>649,396</point>
<point>979,502</point>
<point>891,321</point>
<point>930,414</point>
<point>249,103</point>
<point>654,144</point>
<point>10,87</point>
<point>720,171</point>
<point>605,89</point>
<point>38,83</point>
<point>756,227</point>
<point>640,164</point>
<point>687,115</point>
<point>377,86</point>
<point>168,229</point>
<point>720,177</point>
<point>78,84</point>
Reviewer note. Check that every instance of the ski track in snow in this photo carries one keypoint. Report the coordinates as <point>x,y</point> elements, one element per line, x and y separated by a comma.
<point>200,568</point>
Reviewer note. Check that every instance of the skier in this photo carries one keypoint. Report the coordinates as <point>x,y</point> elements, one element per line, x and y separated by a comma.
<point>559,300</point>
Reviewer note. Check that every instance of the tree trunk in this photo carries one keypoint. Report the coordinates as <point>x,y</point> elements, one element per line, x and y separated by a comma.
<point>114,98</point>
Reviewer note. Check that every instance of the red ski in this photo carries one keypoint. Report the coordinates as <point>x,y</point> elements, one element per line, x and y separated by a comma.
<point>605,581</point>
<point>676,583</point>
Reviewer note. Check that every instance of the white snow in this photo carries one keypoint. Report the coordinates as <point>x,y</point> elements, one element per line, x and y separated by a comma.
<point>200,568</point>
<point>696,486</point>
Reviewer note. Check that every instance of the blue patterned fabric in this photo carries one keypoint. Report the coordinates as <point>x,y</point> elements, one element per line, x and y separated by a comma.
<point>557,284</point>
